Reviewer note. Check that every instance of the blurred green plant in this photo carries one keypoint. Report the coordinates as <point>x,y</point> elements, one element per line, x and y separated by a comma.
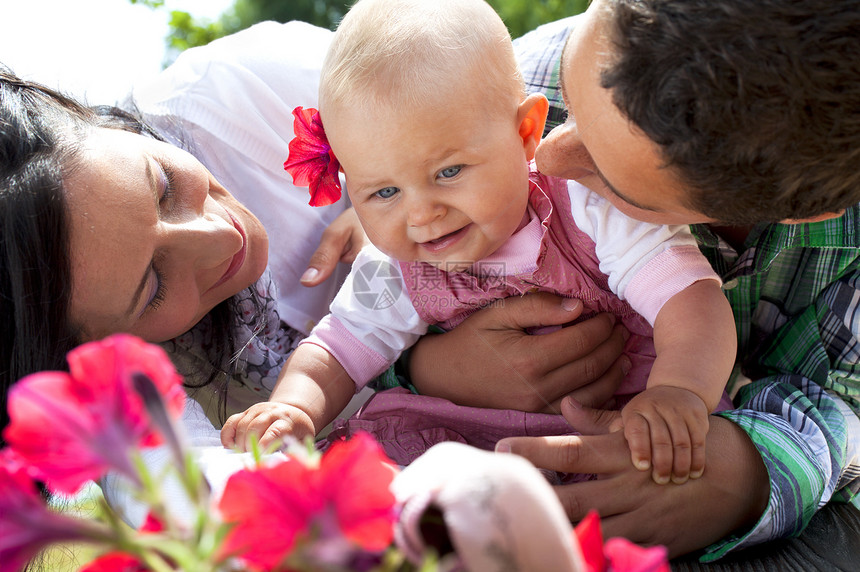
<point>522,16</point>
<point>150,3</point>
<point>187,31</point>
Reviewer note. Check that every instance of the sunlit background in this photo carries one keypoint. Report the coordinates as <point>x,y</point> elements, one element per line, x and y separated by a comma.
<point>91,48</point>
<point>98,49</point>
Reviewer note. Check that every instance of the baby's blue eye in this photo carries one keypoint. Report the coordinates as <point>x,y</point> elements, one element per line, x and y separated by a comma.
<point>387,192</point>
<point>449,172</point>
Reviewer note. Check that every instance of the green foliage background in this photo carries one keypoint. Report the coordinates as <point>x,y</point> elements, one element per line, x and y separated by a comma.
<point>186,31</point>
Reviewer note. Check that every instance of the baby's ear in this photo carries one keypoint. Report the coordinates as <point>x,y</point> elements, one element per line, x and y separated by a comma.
<point>531,116</point>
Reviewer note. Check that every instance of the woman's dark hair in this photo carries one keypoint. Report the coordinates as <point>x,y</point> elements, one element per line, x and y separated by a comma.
<point>754,103</point>
<point>40,134</point>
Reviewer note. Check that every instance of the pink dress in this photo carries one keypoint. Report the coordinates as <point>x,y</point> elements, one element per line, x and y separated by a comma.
<point>566,264</point>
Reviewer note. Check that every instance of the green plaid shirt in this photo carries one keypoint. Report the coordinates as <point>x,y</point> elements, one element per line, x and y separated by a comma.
<point>795,292</point>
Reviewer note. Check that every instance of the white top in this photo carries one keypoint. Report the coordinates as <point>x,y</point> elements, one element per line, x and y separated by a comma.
<point>234,100</point>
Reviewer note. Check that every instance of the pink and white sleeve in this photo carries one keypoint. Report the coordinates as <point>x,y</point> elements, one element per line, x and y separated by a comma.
<point>646,263</point>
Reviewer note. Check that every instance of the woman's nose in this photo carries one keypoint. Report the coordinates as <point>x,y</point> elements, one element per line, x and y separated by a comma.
<point>423,210</point>
<point>206,240</point>
<point>562,154</point>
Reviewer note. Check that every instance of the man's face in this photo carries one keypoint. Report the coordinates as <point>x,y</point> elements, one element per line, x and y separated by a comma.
<point>600,147</point>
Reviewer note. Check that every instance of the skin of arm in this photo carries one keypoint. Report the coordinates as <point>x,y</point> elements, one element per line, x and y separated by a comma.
<point>312,389</point>
<point>696,344</point>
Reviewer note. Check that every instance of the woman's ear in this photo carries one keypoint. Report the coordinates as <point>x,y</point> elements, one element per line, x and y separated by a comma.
<point>531,117</point>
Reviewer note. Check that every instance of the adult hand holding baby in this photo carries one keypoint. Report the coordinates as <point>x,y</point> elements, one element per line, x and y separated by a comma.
<point>733,490</point>
<point>535,372</point>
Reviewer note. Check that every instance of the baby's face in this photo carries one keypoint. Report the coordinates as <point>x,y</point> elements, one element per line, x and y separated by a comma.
<point>447,185</point>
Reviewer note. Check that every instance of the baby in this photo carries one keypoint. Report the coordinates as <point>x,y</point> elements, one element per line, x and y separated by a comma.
<point>426,116</point>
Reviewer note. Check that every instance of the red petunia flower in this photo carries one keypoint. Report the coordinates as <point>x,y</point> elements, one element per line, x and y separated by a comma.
<point>121,561</point>
<point>618,554</point>
<point>74,427</point>
<point>27,524</point>
<point>115,562</point>
<point>311,161</point>
<point>341,506</point>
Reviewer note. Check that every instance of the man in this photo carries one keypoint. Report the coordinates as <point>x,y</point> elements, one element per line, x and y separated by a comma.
<point>738,113</point>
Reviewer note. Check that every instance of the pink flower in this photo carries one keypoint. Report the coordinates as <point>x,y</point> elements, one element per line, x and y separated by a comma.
<point>619,554</point>
<point>75,427</point>
<point>342,505</point>
<point>311,161</point>
<point>626,556</point>
<point>26,522</point>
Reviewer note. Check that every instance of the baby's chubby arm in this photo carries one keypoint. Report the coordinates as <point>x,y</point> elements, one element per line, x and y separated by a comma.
<point>312,389</point>
<point>696,344</point>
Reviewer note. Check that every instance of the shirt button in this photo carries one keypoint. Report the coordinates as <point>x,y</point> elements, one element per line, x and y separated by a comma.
<point>731,284</point>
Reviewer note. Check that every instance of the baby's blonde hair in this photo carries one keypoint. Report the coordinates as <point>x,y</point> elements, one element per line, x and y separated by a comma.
<point>409,52</point>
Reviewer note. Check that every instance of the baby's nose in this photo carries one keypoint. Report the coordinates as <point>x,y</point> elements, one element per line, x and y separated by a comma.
<point>423,211</point>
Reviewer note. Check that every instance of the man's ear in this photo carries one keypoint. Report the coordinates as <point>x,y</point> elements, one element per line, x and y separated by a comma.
<point>531,117</point>
<point>819,218</point>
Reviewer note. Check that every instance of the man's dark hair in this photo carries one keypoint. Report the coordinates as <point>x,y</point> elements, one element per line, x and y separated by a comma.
<point>754,103</point>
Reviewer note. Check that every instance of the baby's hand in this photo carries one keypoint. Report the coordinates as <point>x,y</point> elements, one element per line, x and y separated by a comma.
<point>665,429</point>
<point>270,421</point>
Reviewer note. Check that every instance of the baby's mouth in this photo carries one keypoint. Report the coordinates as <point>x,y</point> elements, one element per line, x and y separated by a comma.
<point>446,240</point>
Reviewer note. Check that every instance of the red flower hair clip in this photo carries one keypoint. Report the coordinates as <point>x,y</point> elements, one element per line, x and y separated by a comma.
<point>311,161</point>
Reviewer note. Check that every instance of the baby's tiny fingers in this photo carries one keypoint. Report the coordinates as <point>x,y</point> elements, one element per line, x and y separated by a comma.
<point>681,449</point>
<point>698,454</point>
<point>229,430</point>
<point>662,452</point>
<point>638,437</point>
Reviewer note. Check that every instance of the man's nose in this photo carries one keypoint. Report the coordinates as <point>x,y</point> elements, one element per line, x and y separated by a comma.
<point>562,154</point>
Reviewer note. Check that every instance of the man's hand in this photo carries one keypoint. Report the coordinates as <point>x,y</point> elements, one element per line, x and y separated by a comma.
<point>496,364</point>
<point>731,494</point>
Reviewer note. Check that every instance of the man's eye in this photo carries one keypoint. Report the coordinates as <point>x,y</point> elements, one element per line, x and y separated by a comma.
<point>387,192</point>
<point>450,172</point>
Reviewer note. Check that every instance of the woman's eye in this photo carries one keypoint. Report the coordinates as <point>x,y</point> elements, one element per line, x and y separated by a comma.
<point>387,192</point>
<point>160,290</point>
<point>169,185</point>
<point>450,172</point>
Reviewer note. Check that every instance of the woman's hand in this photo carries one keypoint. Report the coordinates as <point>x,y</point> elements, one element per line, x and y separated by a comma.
<point>731,494</point>
<point>490,361</point>
<point>340,242</point>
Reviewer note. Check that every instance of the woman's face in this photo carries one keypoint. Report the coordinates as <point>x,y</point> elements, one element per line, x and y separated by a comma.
<point>156,241</point>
